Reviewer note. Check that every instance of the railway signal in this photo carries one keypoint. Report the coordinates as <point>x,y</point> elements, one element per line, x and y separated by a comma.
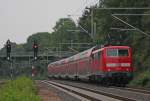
<point>8,49</point>
<point>34,71</point>
<point>35,49</point>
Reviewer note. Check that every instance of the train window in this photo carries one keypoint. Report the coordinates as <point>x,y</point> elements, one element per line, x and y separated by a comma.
<point>112,52</point>
<point>123,52</point>
<point>117,52</point>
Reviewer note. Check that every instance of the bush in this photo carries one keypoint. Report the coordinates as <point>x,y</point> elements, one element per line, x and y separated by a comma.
<point>21,89</point>
<point>142,80</point>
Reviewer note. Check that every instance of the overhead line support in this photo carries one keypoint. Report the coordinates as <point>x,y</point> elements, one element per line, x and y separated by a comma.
<point>130,25</point>
<point>131,14</point>
<point>126,8</point>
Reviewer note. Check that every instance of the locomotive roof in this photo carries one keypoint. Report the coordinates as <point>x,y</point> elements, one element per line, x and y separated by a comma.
<point>117,47</point>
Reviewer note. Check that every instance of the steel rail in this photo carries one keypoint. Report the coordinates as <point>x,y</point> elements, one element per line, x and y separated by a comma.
<point>103,93</point>
<point>80,94</point>
<point>136,90</point>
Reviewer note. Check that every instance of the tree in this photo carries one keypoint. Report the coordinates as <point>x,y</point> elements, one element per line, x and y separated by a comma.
<point>62,34</point>
<point>43,39</point>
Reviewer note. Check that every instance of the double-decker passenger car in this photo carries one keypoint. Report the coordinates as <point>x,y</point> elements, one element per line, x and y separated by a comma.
<point>108,65</point>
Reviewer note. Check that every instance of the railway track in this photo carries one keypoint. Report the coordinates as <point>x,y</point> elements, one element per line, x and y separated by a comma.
<point>88,93</point>
<point>133,89</point>
<point>135,94</point>
<point>139,90</point>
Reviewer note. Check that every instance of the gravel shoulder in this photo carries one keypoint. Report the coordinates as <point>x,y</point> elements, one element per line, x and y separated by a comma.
<point>2,82</point>
<point>48,93</point>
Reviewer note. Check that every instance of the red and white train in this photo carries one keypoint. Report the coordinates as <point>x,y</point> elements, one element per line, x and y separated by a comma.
<point>108,65</point>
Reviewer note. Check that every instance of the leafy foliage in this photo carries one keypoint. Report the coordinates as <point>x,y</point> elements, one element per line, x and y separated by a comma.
<point>43,39</point>
<point>62,33</point>
<point>21,89</point>
<point>142,80</point>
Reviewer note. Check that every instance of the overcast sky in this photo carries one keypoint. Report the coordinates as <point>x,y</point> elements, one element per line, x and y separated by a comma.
<point>21,18</point>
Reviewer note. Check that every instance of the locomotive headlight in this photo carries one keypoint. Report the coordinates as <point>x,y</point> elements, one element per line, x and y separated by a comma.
<point>125,64</point>
<point>112,64</point>
<point>118,64</point>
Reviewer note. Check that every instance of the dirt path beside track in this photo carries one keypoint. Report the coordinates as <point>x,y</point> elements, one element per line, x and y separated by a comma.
<point>2,82</point>
<point>46,93</point>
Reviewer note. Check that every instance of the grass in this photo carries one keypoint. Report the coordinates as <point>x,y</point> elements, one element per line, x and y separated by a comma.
<point>141,80</point>
<point>20,89</point>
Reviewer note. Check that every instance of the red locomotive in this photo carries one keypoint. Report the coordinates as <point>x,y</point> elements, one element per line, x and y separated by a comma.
<point>108,65</point>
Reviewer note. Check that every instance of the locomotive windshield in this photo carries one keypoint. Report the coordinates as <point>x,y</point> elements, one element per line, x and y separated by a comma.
<point>117,52</point>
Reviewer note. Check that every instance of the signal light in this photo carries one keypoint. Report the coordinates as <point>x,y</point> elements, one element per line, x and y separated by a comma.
<point>8,49</point>
<point>35,49</point>
<point>8,58</point>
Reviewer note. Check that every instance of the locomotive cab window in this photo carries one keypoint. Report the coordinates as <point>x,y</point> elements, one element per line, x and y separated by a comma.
<point>123,52</point>
<point>112,52</point>
<point>117,52</point>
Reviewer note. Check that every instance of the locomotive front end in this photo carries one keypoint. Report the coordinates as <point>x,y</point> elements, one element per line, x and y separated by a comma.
<point>118,64</point>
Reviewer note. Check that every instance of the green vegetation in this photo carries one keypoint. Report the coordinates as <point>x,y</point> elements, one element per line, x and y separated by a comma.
<point>142,80</point>
<point>21,89</point>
